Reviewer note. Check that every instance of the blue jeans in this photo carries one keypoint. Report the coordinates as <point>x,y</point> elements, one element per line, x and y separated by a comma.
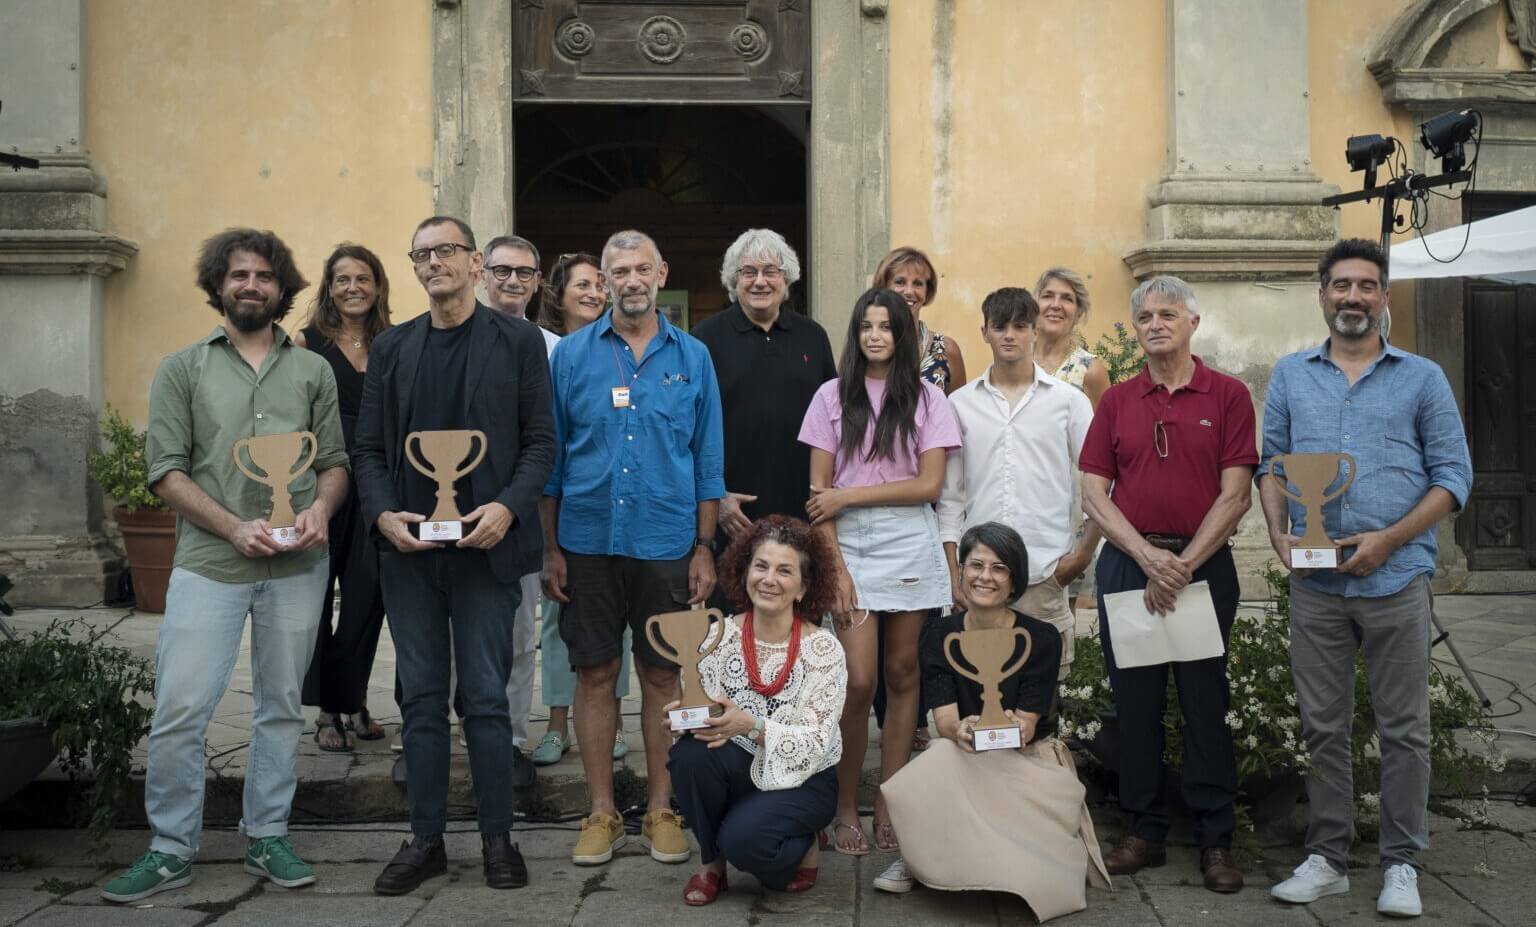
<point>199,643</point>
<point>424,595</point>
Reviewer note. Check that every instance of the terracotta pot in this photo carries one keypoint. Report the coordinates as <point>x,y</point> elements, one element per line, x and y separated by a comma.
<point>26,749</point>
<point>150,537</point>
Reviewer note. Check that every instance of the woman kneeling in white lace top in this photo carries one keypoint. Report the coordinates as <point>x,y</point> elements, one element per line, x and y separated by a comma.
<point>760,782</point>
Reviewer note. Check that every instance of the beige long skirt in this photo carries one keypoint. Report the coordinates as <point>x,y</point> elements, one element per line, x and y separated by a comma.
<point>1005,821</point>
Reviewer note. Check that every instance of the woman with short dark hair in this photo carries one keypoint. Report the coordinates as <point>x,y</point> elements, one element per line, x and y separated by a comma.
<point>759,783</point>
<point>1004,820</point>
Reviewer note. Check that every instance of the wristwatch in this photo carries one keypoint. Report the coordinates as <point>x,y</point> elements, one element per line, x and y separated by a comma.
<point>701,541</point>
<point>758,724</point>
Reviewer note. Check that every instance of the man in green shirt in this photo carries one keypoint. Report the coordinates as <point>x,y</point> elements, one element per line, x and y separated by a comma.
<point>246,379</point>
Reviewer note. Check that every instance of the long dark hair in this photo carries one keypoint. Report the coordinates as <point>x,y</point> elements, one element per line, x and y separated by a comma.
<point>903,387</point>
<point>325,315</point>
<point>552,314</point>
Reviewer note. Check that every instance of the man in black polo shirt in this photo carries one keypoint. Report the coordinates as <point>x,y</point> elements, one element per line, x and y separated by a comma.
<point>769,361</point>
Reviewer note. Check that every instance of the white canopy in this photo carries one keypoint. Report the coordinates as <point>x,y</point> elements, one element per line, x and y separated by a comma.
<point>1501,248</point>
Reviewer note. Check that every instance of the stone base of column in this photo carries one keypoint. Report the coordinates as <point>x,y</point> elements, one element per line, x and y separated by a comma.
<point>60,571</point>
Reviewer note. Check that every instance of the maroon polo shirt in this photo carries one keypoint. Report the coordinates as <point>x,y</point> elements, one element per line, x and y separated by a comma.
<point>1209,426</point>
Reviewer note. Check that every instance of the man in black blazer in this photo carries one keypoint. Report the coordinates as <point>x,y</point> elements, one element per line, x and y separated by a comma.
<point>459,366</point>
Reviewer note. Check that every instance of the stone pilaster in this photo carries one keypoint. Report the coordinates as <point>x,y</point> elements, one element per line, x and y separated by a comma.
<point>54,255</point>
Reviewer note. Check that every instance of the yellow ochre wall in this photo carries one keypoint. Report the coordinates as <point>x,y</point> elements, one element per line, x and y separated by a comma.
<point>312,119</point>
<point>1025,135</point>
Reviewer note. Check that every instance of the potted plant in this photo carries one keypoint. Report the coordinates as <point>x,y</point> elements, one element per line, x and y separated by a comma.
<point>68,694</point>
<point>149,529</point>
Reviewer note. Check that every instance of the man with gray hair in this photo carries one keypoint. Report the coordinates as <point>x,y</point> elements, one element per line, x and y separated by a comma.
<point>1166,469</point>
<point>769,361</point>
<point>629,518</point>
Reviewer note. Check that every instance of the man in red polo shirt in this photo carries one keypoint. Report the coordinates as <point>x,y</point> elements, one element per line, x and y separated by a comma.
<point>1177,444</point>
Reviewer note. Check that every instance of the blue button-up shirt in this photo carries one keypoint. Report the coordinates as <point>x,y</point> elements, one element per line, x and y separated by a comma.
<point>630,478</point>
<point>1400,423</point>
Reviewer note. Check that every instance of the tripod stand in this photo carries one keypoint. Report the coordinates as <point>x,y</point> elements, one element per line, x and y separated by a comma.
<point>1442,635</point>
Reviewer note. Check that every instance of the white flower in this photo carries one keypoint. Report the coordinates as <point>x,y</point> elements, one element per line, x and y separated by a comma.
<point>1252,742</point>
<point>1089,731</point>
<point>1067,727</point>
<point>1234,721</point>
<point>1104,683</point>
<point>1370,801</point>
<point>1496,761</point>
<point>1275,673</point>
<point>1290,699</point>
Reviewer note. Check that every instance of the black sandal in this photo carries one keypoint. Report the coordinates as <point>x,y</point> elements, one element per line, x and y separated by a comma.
<point>364,728</point>
<point>336,724</point>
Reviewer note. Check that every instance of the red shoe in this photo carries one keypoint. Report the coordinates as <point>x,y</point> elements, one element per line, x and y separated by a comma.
<point>708,884</point>
<point>803,881</point>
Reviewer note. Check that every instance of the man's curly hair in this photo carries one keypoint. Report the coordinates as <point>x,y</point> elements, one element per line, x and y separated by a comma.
<point>213,264</point>
<point>816,562</point>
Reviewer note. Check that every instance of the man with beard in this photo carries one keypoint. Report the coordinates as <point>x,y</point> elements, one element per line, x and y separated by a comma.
<point>245,379</point>
<point>629,519</point>
<point>1395,414</point>
<point>512,282</point>
<point>457,366</point>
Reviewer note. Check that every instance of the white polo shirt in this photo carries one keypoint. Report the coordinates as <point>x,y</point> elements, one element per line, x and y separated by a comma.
<point>1016,466</point>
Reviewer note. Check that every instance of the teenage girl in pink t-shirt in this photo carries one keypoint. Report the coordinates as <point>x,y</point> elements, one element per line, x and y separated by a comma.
<point>878,436</point>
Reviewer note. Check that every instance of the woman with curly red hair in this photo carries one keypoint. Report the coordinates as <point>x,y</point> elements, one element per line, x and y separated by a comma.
<point>760,782</point>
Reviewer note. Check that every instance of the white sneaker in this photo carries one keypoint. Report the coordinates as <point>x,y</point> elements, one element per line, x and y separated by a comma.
<point>1400,892</point>
<point>1310,881</point>
<point>895,878</point>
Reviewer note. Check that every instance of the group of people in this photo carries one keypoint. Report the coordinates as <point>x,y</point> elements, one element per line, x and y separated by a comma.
<point>862,510</point>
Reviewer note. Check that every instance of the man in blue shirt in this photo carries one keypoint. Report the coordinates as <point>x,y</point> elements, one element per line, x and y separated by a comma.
<point>1395,414</point>
<point>629,519</point>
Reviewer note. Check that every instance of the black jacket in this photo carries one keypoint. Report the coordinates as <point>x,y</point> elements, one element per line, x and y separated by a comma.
<point>507,396</point>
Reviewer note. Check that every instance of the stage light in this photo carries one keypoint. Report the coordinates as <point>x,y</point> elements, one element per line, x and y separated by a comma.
<point>1446,136</point>
<point>1366,153</point>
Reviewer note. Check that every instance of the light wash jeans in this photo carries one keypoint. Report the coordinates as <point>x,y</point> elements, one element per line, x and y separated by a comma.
<point>199,643</point>
<point>525,643</point>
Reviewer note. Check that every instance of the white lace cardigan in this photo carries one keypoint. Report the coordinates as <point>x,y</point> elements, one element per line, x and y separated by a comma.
<point>801,736</point>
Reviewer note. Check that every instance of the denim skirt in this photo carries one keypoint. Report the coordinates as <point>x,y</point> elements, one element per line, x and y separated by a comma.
<point>895,557</point>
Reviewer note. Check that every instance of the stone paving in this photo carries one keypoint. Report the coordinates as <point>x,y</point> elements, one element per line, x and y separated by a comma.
<point>47,877</point>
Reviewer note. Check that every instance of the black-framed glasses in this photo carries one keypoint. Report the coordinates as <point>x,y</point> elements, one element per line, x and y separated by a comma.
<point>1160,439</point>
<point>503,271</point>
<point>443,251</point>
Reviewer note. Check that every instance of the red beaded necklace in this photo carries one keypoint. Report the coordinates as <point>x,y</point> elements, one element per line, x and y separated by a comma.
<point>749,653</point>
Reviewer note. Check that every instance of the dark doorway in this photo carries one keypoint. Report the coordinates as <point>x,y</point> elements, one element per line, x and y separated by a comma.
<point>693,177</point>
<point>1498,528</point>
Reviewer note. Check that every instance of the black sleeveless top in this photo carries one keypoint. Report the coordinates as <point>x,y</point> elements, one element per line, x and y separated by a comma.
<point>349,382</point>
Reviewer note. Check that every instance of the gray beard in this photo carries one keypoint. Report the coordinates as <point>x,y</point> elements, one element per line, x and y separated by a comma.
<point>1349,330</point>
<point>636,312</point>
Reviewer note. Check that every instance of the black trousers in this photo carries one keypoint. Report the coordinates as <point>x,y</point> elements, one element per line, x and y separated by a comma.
<point>337,680</point>
<point>764,834</point>
<point>1210,770</point>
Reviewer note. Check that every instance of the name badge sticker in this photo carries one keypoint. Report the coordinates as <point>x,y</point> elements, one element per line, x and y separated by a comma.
<point>620,397</point>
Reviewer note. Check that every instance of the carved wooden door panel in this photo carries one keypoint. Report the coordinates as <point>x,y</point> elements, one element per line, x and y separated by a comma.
<point>1498,528</point>
<point>684,51</point>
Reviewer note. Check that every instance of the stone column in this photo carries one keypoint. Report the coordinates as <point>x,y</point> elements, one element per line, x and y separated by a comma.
<point>1237,214</point>
<point>54,256</point>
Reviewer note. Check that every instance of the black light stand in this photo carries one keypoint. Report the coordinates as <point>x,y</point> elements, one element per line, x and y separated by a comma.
<point>1393,191</point>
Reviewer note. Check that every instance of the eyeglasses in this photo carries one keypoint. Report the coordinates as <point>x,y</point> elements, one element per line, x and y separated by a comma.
<point>503,271</point>
<point>977,568</point>
<point>1160,439</point>
<point>443,251</point>
<point>752,273</point>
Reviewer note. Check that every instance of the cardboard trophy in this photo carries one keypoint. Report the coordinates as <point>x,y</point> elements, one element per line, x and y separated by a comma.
<point>679,637</point>
<point>445,452</point>
<point>1313,474</point>
<point>988,650</point>
<point>274,456</point>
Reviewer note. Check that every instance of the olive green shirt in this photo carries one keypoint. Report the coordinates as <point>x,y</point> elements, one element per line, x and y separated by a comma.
<point>204,399</point>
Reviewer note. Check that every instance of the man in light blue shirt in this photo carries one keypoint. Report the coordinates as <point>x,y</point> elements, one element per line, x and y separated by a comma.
<point>1395,414</point>
<point>629,518</point>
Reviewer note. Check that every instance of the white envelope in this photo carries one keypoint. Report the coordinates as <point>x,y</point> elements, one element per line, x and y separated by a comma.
<point>1140,638</point>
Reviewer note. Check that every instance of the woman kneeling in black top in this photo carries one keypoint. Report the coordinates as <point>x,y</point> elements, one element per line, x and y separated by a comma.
<point>1003,820</point>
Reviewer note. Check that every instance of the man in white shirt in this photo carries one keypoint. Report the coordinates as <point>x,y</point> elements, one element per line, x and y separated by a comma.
<point>1023,429</point>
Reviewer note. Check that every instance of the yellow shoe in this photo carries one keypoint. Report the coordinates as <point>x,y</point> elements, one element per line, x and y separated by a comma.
<point>601,834</point>
<point>664,832</point>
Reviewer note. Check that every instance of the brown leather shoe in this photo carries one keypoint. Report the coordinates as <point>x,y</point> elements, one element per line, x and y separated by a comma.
<point>1133,854</point>
<point>1221,872</point>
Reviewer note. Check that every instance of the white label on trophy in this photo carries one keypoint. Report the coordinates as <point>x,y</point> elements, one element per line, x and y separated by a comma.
<point>997,738</point>
<point>1314,558</point>
<point>441,530</point>
<point>689,719</point>
<point>284,536</point>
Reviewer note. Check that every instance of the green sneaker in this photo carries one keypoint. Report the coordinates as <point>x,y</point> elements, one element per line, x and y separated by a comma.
<point>273,859</point>
<point>153,872</point>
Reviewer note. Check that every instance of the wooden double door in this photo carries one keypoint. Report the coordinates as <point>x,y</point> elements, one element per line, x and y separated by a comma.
<point>1498,528</point>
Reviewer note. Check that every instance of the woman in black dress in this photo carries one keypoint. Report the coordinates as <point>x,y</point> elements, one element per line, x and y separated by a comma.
<point>349,311</point>
<point>1010,820</point>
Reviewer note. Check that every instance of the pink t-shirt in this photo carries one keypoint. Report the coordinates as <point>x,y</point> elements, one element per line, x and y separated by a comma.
<point>822,428</point>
